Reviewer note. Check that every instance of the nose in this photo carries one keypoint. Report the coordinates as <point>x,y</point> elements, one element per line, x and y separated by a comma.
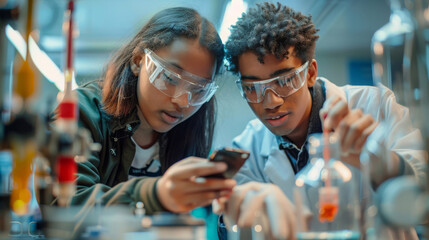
<point>271,99</point>
<point>183,100</point>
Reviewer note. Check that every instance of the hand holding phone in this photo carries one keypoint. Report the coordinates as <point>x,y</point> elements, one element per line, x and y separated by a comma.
<point>234,158</point>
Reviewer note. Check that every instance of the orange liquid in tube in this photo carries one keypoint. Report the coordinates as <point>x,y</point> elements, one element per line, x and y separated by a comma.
<point>328,195</point>
<point>327,212</point>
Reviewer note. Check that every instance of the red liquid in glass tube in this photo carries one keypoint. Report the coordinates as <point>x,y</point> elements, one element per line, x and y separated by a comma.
<point>328,200</point>
<point>328,195</point>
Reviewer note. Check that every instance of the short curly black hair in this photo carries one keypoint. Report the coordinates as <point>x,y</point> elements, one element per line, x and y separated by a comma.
<point>271,29</point>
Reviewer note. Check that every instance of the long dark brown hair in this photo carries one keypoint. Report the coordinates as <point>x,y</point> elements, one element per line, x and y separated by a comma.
<point>192,137</point>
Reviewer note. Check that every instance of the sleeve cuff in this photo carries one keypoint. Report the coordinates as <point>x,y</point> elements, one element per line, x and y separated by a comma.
<point>404,167</point>
<point>146,192</point>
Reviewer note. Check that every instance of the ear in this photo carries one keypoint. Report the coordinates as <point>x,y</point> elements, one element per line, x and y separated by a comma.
<point>312,73</point>
<point>136,63</point>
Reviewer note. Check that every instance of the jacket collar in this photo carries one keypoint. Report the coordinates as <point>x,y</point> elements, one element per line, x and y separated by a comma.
<point>124,126</point>
<point>333,90</point>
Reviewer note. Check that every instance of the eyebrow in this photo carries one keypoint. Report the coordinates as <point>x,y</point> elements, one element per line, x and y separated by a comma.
<point>274,74</point>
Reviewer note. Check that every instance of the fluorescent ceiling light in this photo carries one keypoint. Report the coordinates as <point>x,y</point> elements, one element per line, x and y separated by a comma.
<point>41,60</point>
<point>233,11</point>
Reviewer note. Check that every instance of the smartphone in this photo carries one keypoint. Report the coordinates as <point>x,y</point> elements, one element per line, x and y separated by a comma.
<point>234,159</point>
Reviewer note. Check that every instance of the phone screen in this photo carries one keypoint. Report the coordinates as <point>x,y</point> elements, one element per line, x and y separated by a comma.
<point>234,158</point>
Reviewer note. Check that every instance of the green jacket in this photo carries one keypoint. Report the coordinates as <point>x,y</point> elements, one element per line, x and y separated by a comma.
<point>104,176</point>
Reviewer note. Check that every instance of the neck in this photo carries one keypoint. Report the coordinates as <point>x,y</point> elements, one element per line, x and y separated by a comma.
<point>299,135</point>
<point>144,136</point>
<point>145,139</point>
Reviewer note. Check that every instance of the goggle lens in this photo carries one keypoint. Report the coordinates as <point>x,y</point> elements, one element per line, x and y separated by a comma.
<point>283,86</point>
<point>161,76</point>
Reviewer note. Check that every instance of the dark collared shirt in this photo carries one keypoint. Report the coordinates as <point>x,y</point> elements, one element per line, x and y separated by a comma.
<point>299,157</point>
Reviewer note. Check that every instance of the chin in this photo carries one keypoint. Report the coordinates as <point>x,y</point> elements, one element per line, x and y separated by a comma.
<point>280,131</point>
<point>162,127</point>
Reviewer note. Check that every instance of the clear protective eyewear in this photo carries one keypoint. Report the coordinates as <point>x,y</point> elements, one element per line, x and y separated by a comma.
<point>283,86</point>
<point>174,82</point>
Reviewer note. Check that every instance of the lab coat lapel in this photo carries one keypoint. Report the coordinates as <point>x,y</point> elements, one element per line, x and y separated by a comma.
<point>279,170</point>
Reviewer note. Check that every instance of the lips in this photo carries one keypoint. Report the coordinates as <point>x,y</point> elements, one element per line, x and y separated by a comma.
<point>171,117</point>
<point>277,120</point>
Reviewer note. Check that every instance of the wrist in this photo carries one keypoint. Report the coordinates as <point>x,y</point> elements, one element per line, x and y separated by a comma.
<point>162,194</point>
<point>157,197</point>
<point>394,168</point>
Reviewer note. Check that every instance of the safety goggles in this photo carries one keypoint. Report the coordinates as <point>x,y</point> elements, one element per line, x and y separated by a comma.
<point>283,86</point>
<point>174,82</point>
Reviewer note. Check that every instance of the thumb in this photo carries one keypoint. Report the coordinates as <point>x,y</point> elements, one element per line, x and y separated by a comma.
<point>218,205</point>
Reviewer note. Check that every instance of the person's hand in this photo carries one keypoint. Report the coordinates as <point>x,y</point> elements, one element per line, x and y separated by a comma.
<point>259,203</point>
<point>352,126</point>
<point>183,186</point>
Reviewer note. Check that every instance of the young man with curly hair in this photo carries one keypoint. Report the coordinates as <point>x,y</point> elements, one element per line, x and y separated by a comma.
<point>272,50</point>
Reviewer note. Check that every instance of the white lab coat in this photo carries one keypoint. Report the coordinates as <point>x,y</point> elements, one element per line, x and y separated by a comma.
<point>267,163</point>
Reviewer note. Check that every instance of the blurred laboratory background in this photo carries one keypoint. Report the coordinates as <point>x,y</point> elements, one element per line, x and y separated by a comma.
<point>342,52</point>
